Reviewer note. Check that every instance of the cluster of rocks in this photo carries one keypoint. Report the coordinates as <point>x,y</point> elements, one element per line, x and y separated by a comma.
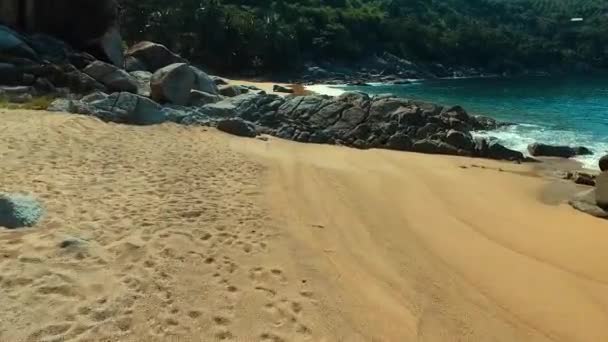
<point>595,201</point>
<point>156,85</point>
<point>384,68</point>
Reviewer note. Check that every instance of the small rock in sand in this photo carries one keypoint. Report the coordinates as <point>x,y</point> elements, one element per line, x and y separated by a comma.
<point>19,211</point>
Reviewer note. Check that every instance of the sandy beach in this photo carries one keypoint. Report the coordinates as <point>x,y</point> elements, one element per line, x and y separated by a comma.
<point>189,234</point>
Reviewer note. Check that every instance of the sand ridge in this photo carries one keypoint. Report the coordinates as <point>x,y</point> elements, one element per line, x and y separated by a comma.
<point>185,233</point>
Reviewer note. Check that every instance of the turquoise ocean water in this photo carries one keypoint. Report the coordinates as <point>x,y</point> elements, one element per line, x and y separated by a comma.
<point>554,110</point>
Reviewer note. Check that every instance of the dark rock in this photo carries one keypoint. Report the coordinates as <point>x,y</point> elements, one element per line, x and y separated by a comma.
<point>81,83</point>
<point>583,178</point>
<point>603,163</point>
<point>237,127</point>
<point>457,112</point>
<point>118,107</point>
<point>72,242</point>
<point>460,140</point>
<point>281,89</point>
<point>43,86</point>
<point>19,211</point>
<point>428,130</point>
<point>172,84</point>
<point>113,78</point>
<point>544,150</point>
<point>154,56</point>
<point>582,151</point>
<point>133,64</point>
<point>399,142</point>
<point>499,152</point>
<point>200,98</point>
<point>434,147</point>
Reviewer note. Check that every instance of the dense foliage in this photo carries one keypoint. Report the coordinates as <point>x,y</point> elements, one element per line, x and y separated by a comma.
<point>267,35</point>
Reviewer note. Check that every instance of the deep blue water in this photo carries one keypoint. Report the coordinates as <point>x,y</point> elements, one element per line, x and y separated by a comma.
<point>564,110</point>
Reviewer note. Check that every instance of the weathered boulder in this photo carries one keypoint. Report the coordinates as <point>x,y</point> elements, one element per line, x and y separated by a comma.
<point>143,82</point>
<point>603,163</point>
<point>17,94</point>
<point>111,46</point>
<point>583,178</point>
<point>200,98</point>
<point>154,56</point>
<point>218,80</point>
<point>499,152</point>
<point>112,77</point>
<point>237,127</point>
<point>172,84</point>
<point>544,150</point>
<point>204,82</point>
<point>19,211</point>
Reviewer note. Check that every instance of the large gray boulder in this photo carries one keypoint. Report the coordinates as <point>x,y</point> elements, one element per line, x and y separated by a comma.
<point>19,211</point>
<point>113,78</point>
<point>154,56</point>
<point>544,150</point>
<point>172,84</point>
<point>128,108</point>
<point>436,147</point>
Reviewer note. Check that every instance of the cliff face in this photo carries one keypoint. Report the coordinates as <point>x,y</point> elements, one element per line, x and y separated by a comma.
<point>91,25</point>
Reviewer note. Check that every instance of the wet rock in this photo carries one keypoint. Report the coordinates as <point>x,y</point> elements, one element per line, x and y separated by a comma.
<point>544,150</point>
<point>583,178</point>
<point>19,211</point>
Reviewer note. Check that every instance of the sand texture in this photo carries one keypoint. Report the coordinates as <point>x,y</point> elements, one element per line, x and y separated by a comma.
<point>170,233</point>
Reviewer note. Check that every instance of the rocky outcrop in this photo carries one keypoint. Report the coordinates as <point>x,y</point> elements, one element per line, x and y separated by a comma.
<point>544,150</point>
<point>122,107</point>
<point>19,211</point>
<point>151,56</point>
